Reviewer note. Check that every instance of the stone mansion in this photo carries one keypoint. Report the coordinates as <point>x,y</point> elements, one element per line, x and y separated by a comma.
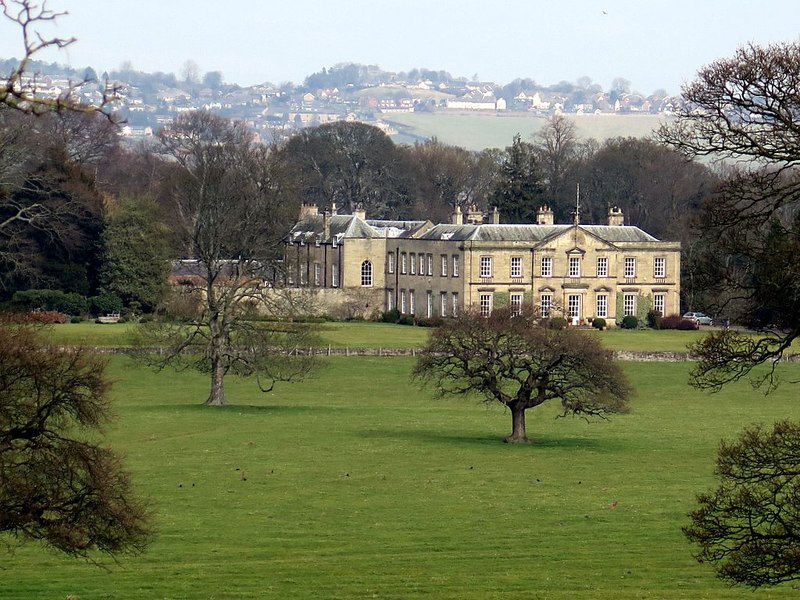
<point>573,270</point>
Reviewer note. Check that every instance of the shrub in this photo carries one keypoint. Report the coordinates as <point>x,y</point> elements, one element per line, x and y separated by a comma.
<point>105,304</point>
<point>50,300</point>
<point>391,316</point>
<point>556,323</point>
<point>76,320</point>
<point>599,323</point>
<point>407,320</point>
<point>654,319</point>
<point>630,322</point>
<point>688,325</point>
<point>48,316</point>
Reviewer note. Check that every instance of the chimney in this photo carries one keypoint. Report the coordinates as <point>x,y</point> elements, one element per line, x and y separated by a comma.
<point>495,216</point>
<point>544,216</point>
<point>326,226</point>
<point>615,216</point>
<point>333,208</point>
<point>457,217</point>
<point>359,212</point>
<point>308,210</point>
<point>474,216</point>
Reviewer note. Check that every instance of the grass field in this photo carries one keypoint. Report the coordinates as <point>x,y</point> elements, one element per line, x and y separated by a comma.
<point>356,484</point>
<point>479,131</point>
<point>381,335</point>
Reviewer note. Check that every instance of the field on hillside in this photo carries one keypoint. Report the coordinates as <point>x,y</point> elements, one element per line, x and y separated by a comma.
<point>479,131</point>
<point>356,484</point>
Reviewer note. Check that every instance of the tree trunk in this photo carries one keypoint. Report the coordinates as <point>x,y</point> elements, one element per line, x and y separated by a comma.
<point>217,395</point>
<point>518,435</point>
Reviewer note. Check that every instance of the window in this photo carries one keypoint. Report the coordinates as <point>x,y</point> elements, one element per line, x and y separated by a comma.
<point>422,264</point>
<point>630,267</point>
<point>455,304</point>
<point>659,267</point>
<point>486,304</point>
<point>602,266</point>
<point>546,304</point>
<point>412,305</point>
<point>602,305</point>
<point>629,304</point>
<point>334,275</point>
<point>659,300</point>
<point>390,262</point>
<point>444,265</point>
<point>389,299</point>
<point>516,303</point>
<point>413,260</point>
<point>486,267</point>
<point>574,266</point>
<point>430,264</point>
<point>547,266</point>
<point>366,274</point>
<point>317,273</point>
<point>443,304</point>
<point>403,260</point>
<point>403,306</point>
<point>455,265</point>
<point>516,267</point>
<point>574,306</point>
<point>429,304</point>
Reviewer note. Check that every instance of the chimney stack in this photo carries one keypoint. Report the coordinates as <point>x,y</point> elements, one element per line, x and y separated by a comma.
<point>457,217</point>
<point>474,216</point>
<point>544,216</point>
<point>495,216</point>
<point>615,216</point>
<point>308,210</point>
<point>326,226</point>
<point>359,212</point>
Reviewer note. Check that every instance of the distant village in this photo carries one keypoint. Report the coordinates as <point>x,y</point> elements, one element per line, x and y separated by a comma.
<point>349,92</point>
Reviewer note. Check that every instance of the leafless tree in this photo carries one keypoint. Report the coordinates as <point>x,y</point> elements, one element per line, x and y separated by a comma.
<point>18,90</point>
<point>744,109</point>
<point>57,484</point>
<point>233,218</point>
<point>516,360</point>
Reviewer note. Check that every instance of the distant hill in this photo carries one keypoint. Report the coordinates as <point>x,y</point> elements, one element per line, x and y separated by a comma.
<point>479,131</point>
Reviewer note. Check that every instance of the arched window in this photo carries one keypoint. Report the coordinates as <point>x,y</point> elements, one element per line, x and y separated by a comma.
<point>366,274</point>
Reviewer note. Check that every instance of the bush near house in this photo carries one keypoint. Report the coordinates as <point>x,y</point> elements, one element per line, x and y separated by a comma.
<point>678,322</point>
<point>599,323</point>
<point>630,322</point>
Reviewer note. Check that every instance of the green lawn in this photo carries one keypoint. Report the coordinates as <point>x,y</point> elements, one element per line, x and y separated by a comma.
<point>381,335</point>
<point>356,484</point>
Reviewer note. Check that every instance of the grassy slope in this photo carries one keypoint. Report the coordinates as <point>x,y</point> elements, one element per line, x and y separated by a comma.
<point>478,131</point>
<point>354,484</point>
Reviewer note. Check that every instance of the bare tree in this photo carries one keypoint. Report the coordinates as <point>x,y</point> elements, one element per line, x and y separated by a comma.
<point>518,361</point>
<point>749,527</point>
<point>233,218</point>
<point>744,109</point>
<point>18,89</point>
<point>57,484</point>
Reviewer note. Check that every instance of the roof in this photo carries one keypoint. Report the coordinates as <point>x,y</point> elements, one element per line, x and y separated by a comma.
<point>532,233</point>
<point>312,227</point>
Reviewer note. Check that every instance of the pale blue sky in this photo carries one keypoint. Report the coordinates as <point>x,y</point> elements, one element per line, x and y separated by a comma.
<point>652,44</point>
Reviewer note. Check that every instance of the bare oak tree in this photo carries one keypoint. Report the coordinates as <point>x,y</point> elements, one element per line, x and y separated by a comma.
<point>57,485</point>
<point>233,218</point>
<point>516,360</point>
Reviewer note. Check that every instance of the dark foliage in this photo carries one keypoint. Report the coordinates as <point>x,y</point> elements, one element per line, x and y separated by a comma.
<point>749,527</point>
<point>56,484</point>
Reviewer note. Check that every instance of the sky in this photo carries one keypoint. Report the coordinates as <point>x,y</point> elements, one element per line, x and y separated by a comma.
<point>651,44</point>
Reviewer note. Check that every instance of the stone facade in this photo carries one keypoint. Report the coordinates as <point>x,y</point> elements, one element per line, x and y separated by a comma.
<point>573,270</point>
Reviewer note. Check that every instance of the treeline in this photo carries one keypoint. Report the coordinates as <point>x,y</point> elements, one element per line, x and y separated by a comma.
<point>82,214</point>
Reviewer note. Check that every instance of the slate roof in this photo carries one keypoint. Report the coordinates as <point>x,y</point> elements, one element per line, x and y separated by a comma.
<point>532,233</point>
<point>342,227</point>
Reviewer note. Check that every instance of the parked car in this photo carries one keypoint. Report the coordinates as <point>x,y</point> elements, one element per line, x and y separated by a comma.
<point>698,317</point>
